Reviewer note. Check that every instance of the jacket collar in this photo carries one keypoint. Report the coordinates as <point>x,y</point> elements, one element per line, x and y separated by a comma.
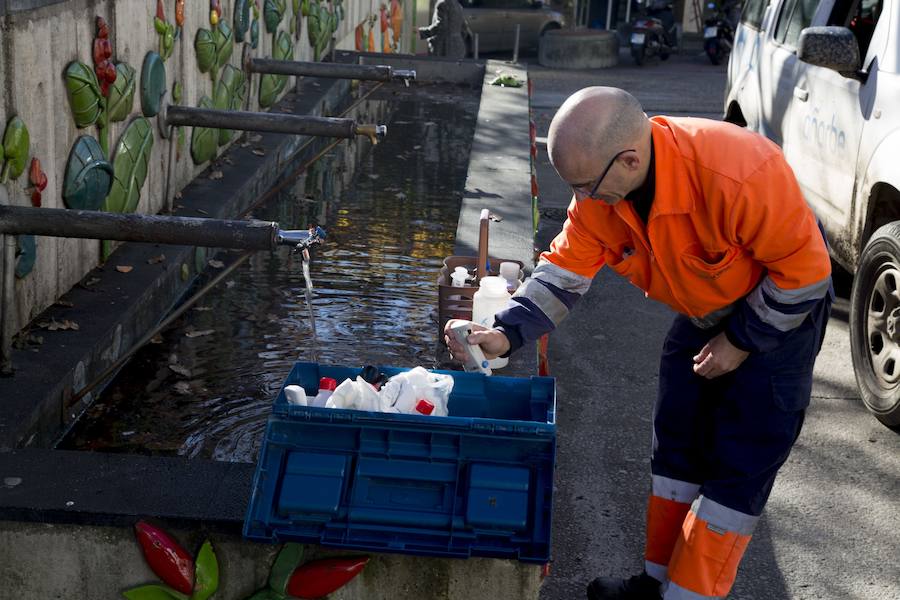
<point>675,189</point>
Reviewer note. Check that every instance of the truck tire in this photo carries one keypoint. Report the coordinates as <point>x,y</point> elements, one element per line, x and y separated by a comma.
<point>875,324</point>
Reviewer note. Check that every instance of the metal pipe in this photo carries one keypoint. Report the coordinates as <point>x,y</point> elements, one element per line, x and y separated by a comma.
<point>628,11</point>
<point>186,231</point>
<point>259,121</point>
<point>327,70</point>
<point>609,6</point>
<point>516,45</point>
<point>475,47</point>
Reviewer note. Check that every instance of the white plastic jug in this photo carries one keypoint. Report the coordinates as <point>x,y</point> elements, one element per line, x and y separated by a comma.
<point>490,299</point>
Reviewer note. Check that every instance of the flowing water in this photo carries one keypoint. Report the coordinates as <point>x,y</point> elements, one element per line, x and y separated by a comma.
<point>206,388</point>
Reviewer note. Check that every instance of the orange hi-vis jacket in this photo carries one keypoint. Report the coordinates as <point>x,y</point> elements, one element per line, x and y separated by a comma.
<point>728,223</point>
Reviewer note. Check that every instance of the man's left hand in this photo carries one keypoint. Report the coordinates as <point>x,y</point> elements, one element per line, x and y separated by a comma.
<point>718,357</point>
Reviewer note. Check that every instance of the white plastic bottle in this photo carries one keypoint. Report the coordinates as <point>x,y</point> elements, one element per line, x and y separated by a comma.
<point>490,299</point>
<point>510,272</point>
<point>459,276</point>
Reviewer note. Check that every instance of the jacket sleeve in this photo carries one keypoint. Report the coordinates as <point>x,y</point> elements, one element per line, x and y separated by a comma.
<point>562,276</point>
<point>771,220</point>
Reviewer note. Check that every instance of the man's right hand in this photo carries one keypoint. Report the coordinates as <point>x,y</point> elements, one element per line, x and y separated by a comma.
<point>492,341</point>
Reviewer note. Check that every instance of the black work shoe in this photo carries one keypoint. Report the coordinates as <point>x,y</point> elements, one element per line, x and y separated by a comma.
<point>638,587</point>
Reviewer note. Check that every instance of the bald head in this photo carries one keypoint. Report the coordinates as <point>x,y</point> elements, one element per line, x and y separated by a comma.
<point>591,126</point>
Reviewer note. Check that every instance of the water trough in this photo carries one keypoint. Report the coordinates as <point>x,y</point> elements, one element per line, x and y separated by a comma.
<point>74,510</point>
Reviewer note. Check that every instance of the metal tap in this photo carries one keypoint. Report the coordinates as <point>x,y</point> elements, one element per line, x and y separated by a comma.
<point>375,133</point>
<point>405,75</point>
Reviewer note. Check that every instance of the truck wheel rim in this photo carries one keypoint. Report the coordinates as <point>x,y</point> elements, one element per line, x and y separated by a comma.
<point>883,325</point>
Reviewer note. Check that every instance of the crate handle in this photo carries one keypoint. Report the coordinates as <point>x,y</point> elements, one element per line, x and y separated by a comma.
<point>482,264</point>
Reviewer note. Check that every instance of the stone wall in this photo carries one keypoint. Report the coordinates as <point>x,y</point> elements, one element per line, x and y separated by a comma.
<point>40,38</point>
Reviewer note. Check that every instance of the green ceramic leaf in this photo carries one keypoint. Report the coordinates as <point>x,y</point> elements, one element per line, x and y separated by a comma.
<point>224,43</point>
<point>206,573</point>
<point>284,47</point>
<point>229,95</point>
<point>121,93</point>
<point>130,167</point>
<point>288,559</point>
<point>16,145</point>
<point>204,141</point>
<point>205,48</point>
<point>241,19</point>
<point>153,84</point>
<point>254,34</point>
<point>313,24</point>
<point>26,253</point>
<point>270,86</point>
<point>167,41</point>
<point>273,11</point>
<point>177,90</point>
<point>304,8</point>
<point>84,94</point>
<point>153,592</point>
<point>88,175</point>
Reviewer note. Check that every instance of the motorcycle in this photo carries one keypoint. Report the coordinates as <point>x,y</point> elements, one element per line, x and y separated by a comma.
<point>653,32</point>
<point>718,35</point>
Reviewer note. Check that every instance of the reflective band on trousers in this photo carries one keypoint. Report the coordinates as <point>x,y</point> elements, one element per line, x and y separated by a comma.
<point>544,299</point>
<point>708,551</point>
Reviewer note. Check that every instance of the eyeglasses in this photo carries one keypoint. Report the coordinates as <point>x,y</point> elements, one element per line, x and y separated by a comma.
<point>582,189</point>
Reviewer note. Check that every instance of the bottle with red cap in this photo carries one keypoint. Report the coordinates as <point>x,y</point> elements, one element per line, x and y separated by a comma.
<point>327,385</point>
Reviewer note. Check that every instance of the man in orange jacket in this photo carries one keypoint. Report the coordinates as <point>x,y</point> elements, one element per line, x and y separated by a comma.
<point>707,218</point>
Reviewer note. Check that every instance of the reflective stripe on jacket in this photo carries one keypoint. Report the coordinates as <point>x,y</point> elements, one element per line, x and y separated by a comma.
<point>728,232</point>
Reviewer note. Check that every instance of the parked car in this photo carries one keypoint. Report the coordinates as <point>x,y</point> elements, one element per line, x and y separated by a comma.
<point>495,23</point>
<point>822,78</point>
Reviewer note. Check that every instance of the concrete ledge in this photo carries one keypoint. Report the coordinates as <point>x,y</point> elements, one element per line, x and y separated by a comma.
<point>579,49</point>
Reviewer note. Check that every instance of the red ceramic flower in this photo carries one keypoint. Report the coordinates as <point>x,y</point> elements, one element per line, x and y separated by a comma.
<point>166,558</point>
<point>321,577</point>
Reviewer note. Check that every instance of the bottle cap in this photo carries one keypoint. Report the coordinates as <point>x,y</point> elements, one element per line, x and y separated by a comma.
<point>461,270</point>
<point>509,271</point>
<point>327,383</point>
<point>424,406</point>
<point>494,286</point>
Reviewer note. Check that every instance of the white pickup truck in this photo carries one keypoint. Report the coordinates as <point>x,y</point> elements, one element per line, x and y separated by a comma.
<point>822,78</point>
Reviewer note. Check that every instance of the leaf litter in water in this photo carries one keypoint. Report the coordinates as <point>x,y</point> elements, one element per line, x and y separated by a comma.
<point>180,370</point>
<point>124,268</point>
<point>54,325</point>
<point>200,333</point>
<point>215,264</point>
<point>156,259</point>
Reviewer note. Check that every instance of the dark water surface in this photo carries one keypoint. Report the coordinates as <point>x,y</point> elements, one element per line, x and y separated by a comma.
<point>206,389</point>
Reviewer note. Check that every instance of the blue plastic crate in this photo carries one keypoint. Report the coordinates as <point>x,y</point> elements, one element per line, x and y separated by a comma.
<point>476,483</point>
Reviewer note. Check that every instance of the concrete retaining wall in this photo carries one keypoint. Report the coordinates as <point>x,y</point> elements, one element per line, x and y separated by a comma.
<point>39,38</point>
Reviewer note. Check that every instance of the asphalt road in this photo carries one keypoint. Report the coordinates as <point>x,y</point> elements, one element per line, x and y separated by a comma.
<point>830,530</point>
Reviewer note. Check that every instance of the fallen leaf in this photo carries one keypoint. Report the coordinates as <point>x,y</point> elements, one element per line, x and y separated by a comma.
<point>259,151</point>
<point>156,259</point>
<point>156,339</point>
<point>201,333</point>
<point>124,268</point>
<point>91,281</point>
<point>65,303</point>
<point>203,308</point>
<point>182,388</point>
<point>227,160</point>
<point>54,325</point>
<point>183,371</point>
<point>215,264</point>
<point>216,175</point>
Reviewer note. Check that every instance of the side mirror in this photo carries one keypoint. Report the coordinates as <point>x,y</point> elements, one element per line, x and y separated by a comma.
<point>831,47</point>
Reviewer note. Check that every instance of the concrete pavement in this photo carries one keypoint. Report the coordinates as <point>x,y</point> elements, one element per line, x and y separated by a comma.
<point>829,530</point>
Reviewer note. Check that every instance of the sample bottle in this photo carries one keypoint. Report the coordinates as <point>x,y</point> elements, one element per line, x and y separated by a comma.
<point>510,272</point>
<point>490,299</point>
<point>459,276</point>
<point>327,385</point>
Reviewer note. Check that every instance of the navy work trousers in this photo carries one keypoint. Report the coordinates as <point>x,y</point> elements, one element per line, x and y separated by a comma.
<point>732,433</point>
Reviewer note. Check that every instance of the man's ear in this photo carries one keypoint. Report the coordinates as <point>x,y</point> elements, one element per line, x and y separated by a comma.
<point>632,160</point>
